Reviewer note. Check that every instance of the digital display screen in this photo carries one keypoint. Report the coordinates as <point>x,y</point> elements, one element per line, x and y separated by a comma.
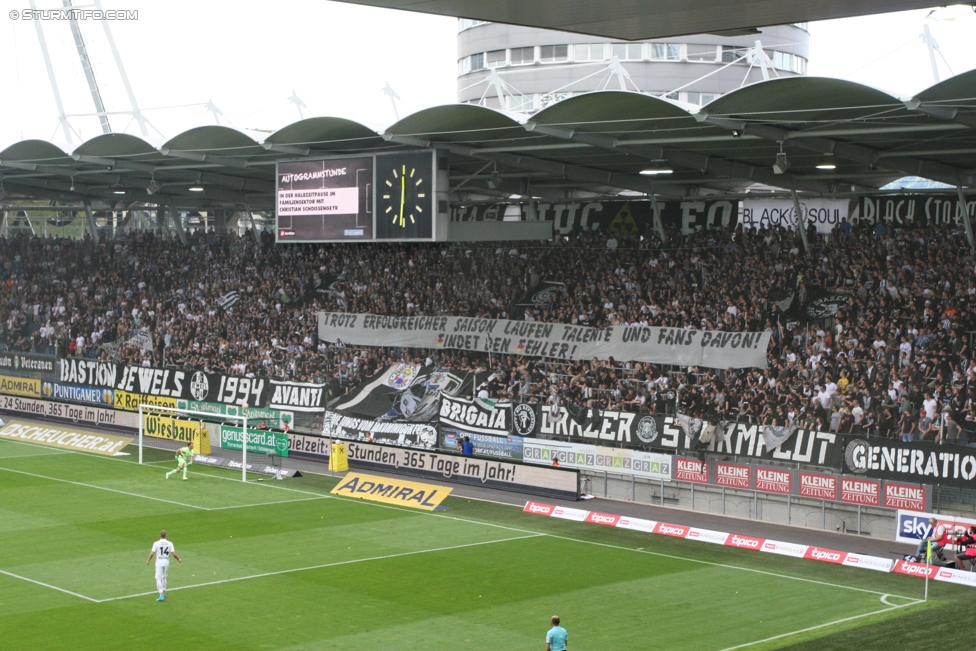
<point>325,200</point>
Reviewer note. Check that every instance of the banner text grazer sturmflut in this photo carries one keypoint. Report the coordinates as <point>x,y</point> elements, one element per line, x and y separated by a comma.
<point>708,348</point>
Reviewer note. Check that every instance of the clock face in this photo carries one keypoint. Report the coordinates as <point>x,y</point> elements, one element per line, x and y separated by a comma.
<point>404,196</point>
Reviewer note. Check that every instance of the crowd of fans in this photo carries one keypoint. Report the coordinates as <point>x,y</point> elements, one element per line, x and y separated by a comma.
<point>896,360</point>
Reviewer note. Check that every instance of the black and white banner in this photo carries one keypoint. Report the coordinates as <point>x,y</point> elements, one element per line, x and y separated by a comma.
<point>75,370</point>
<point>171,383</point>
<point>708,348</point>
<point>405,435</point>
<point>825,214</point>
<point>27,362</point>
<point>623,217</point>
<point>588,425</point>
<point>297,396</point>
<point>913,211</point>
<point>543,293</point>
<point>916,462</point>
<point>480,416</point>
<point>805,447</point>
<point>658,432</point>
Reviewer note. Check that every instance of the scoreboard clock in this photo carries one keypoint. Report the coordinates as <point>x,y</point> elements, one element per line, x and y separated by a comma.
<point>404,196</point>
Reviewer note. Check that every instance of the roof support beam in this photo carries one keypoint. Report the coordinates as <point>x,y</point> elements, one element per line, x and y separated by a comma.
<point>962,208</point>
<point>688,159</point>
<point>113,163</point>
<point>201,158</point>
<point>287,149</point>
<point>857,153</point>
<point>91,222</point>
<point>577,173</point>
<point>948,113</point>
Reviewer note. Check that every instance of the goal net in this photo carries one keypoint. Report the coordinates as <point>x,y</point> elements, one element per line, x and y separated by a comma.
<point>218,439</point>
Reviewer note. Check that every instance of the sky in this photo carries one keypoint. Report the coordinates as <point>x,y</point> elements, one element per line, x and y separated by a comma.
<point>247,59</point>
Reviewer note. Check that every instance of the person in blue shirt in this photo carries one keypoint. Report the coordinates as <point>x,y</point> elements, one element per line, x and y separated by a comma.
<point>557,636</point>
<point>466,447</point>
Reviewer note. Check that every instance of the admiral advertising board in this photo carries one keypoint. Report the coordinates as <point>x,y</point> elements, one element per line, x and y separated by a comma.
<point>20,386</point>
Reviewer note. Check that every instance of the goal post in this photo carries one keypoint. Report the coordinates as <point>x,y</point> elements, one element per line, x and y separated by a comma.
<point>169,427</point>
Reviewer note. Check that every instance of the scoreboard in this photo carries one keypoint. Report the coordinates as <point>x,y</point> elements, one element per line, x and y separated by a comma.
<point>325,200</point>
<point>382,197</point>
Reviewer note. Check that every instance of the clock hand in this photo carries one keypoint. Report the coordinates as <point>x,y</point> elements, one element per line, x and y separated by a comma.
<point>403,198</point>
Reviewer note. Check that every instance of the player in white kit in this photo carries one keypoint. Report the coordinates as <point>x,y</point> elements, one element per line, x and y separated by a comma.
<point>162,549</point>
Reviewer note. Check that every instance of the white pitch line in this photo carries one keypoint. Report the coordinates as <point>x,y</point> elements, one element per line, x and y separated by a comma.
<point>622,548</point>
<point>27,456</point>
<point>48,585</point>
<point>244,506</point>
<point>159,499</point>
<point>104,488</point>
<point>528,531</point>
<point>833,623</point>
<point>324,565</point>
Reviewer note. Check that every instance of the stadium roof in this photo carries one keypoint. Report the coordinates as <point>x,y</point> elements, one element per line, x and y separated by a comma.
<point>641,19</point>
<point>596,143</point>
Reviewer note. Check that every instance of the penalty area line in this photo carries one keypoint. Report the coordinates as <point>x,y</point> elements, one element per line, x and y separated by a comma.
<point>884,600</point>
<point>48,585</point>
<point>323,565</point>
<point>160,499</point>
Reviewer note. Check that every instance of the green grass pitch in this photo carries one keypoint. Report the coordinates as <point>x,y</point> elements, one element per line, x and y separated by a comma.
<point>283,565</point>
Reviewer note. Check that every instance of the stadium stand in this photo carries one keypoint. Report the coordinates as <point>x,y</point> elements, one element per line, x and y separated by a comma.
<point>896,362</point>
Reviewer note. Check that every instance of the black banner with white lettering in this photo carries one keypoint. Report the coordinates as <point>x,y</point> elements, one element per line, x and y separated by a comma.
<point>660,432</point>
<point>917,462</point>
<point>298,396</point>
<point>27,362</point>
<point>624,217</point>
<point>913,211</point>
<point>194,385</point>
<point>480,416</point>
<point>404,435</point>
<point>75,370</point>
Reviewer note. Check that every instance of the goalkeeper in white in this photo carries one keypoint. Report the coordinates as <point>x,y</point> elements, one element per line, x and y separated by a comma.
<point>162,549</point>
<point>184,457</point>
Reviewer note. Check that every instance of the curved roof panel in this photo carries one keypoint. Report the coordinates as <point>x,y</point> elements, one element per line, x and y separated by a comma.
<point>960,88</point>
<point>799,99</point>
<point>615,111</point>
<point>456,122</point>
<point>325,133</point>
<point>115,144</point>
<point>213,138</point>
<point>33,151</point>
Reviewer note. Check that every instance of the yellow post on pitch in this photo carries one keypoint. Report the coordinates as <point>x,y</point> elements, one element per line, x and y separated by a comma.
<point>338,461</point>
